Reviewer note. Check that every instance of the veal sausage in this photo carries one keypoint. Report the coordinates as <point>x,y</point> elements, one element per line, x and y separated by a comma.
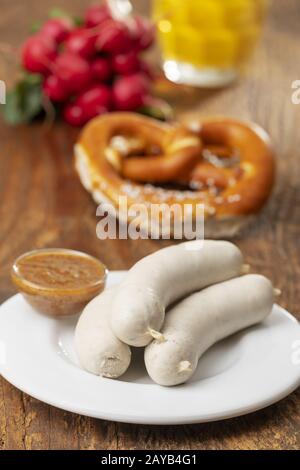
<point>99,351</point>
<point>197,322</point>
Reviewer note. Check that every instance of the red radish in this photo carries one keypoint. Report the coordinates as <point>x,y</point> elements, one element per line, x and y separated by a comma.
<point>96,14</point>
<point>114,38</point>
<point>82,42</point>
<point>146,69</point>
<point>126,64</point>
<point>38,52</point>
<point>57,28</point>
<point>74,115</point>
<point>77,62</point>
<point>54,89</point>
<point>142,32</point>
<point>95,100</point>
<point>73,71</point>
<point>101,69</point>
<point>130,92</point>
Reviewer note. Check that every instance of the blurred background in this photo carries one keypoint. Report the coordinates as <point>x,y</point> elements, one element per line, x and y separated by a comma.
<point>207,43</point>
<point>250,44</point>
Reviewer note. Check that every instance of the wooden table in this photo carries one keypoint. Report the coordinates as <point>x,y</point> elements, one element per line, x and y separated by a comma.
<point>43,204</point>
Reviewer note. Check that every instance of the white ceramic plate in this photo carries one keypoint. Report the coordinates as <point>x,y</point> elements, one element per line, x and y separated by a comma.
<point>244,373</point>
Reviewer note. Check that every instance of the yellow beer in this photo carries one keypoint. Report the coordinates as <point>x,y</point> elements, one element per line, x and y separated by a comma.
<point>208,39</point>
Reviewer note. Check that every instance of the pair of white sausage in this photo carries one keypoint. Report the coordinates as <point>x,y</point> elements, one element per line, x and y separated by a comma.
<point>136,311</point>
<point>137,307</point>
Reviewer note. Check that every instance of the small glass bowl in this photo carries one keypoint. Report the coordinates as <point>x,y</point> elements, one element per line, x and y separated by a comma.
<point>60,299</point>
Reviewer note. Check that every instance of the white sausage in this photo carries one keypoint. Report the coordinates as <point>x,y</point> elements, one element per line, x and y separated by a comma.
<point>98,349</point>
<point>164,277</point>
<point>202,319</point>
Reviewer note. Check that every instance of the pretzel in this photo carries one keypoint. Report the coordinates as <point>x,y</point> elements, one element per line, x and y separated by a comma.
<point>176,154</point>
<point>223,163</point>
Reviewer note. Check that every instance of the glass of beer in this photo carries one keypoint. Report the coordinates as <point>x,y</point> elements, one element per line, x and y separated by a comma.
<point>206,42</point>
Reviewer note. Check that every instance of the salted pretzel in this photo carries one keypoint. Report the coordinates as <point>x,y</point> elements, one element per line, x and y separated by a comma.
<point>223,163</point>
<point>167,156</point>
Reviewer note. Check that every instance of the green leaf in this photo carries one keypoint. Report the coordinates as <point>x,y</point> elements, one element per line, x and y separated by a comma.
<point>24,101</point>
<point>35,27</point>
<point>78,21</point>
<point>159,109</point>
<point>57,13</point>
<point>33,78</point>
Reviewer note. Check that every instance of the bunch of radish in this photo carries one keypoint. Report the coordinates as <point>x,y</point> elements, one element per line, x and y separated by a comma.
<point>92,67</point>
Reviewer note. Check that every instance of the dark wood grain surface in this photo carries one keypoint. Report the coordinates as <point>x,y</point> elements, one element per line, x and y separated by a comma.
<point>43,204</point>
